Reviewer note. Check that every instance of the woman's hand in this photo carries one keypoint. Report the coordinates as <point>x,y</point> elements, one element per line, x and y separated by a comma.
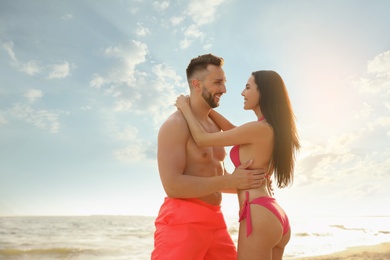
<point>182,102</point>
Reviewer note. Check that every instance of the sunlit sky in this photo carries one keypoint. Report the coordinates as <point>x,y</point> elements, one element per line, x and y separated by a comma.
<point>85,86</point>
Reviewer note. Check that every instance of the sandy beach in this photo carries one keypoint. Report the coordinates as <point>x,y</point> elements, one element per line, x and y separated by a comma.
<point>377,252</point>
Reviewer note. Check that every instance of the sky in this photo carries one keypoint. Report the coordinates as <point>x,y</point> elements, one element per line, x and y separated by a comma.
<point>85,86</point>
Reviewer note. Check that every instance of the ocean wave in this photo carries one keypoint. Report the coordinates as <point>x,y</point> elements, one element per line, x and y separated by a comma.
<point>61,252</point>
<point>346,228</point>
<point>131,238</point>
<point>305,234</point>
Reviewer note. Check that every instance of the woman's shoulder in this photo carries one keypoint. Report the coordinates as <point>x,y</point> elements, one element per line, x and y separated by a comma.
<point>260,125</point>
<point>257,128</point>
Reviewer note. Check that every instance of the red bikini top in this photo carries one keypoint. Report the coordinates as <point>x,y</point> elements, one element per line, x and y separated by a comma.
<point>235,152</point>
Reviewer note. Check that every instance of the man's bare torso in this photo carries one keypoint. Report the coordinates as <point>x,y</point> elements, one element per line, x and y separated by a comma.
<point>205,161</point>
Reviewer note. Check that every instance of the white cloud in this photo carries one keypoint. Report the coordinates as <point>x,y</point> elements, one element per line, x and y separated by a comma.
<point>167,74</point>
<point>128,134</point>
<point>177,20</point>
<point>134,152</point>
<point>3,121</point>
<point>375,90</point>
<point>377,78</point>
<point>203,11</point>
<point>97,81</point>
<point>380,65</point>
<point>67,17</point>
<point>30,68</point>
<point>8,47</point>
<point>207,46</point>
<point>185,43</point>
<point>160,6</point>
<point>43,119</point>
<point>381,121</point>
<point>136,90</point>
<point>323,163</point>
<point>387,105</point>
<point>60,71</point>
<point>128,55</point>
<point>365,112</point>
<point>364,149</point>
<point>86,108</point>
<point>136,149</point>
<point>141,30</point>
<point>134,10</point>
<point>341,144</point>
<point>113,91</point>
<point>123,105</point>
<point>153,94</point>
<point>33,94</point>
<point>193,32</point>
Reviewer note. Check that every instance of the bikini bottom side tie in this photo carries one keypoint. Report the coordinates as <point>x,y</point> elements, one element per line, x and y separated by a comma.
<point>246,214</point>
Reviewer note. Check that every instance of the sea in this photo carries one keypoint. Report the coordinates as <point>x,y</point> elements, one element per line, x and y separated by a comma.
<point>131,237</point>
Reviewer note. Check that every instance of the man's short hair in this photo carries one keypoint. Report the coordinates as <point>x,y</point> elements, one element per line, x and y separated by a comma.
<point>201,62</point>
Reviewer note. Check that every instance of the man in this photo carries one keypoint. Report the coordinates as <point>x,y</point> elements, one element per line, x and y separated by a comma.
<point>190,224</point>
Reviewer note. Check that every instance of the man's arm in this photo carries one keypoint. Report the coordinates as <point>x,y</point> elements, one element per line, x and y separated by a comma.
<point>243,171</point>
<point>171,156</point>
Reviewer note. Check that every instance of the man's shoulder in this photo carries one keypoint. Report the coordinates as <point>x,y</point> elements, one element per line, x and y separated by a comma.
<point>175,118</point>
<point>174,130</point>
<point>175,121</point>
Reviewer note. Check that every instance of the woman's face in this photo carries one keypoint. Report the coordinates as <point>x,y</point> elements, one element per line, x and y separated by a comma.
<point>251,94</point>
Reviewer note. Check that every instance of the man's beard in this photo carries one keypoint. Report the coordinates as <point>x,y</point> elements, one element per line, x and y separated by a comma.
<point>209,98</point>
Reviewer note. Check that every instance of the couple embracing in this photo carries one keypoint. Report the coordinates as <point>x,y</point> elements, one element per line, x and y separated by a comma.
<point>191,142</point>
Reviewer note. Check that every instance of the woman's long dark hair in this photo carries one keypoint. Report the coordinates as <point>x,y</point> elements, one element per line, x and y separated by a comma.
<point>276,107</point>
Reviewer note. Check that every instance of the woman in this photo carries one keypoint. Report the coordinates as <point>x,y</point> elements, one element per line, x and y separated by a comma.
<point>272,142</point>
